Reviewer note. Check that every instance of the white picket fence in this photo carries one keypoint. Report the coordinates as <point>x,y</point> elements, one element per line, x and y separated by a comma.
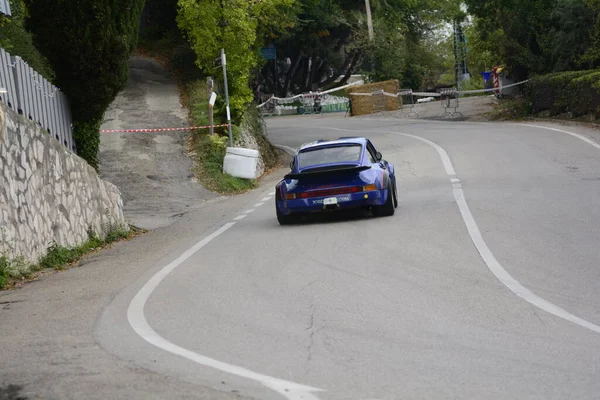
<point>29,94</point>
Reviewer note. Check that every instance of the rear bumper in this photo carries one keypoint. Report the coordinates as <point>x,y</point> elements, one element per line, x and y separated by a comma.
<point>343,201</point>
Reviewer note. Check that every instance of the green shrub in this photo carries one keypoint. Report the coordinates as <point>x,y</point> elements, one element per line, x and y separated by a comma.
<point>15,39</point>
<point>577,92</point>
<point>3,271</point>
<point>87,139</point>
<point>88,43</point>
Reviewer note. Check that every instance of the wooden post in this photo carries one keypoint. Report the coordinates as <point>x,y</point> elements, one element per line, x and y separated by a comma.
<point>210,108</point>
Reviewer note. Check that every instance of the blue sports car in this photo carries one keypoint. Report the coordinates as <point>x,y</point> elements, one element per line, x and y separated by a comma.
<point>336,174</point>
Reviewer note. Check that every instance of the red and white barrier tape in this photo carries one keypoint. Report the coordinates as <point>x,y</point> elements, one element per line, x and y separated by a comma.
<point>163,129</point>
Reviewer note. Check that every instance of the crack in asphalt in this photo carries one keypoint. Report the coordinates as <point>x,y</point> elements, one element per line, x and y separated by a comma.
<point>309,348</point>
<point>411,170</point>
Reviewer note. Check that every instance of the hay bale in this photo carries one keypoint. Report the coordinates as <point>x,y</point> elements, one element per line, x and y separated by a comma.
<point>362,105</point>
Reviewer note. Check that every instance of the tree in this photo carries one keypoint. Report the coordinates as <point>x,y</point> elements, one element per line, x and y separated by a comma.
<point>405,46</point>
<point>238,26</point>
<point>321,48</point>
<point>523,25</point>
<point>571,35</point>
<point>88,43</point>
<point>592,55</point>
<point>15,39</point>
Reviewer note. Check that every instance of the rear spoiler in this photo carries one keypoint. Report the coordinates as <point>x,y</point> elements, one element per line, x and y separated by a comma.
<point>328,171</point>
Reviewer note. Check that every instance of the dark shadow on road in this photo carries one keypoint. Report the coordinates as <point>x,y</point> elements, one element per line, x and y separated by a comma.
<point>11,392</point>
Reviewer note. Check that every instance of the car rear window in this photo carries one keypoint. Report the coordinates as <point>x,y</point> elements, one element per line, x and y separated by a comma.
<point>326,155</point>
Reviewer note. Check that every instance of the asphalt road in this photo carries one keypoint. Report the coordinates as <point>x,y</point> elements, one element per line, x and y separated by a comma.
<point>484,284</point>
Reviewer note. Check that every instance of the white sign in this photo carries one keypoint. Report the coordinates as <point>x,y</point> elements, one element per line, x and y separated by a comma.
<point>213,98</point>
<point>228,114</point>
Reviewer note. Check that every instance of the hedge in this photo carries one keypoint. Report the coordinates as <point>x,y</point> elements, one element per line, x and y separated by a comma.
<point>577,92</point>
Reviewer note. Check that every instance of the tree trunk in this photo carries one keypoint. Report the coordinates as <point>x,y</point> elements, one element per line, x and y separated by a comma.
<point>290,75</point>
<point>355,60</point>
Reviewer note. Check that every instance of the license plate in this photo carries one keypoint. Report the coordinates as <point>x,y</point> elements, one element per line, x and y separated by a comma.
<point>330,200</point>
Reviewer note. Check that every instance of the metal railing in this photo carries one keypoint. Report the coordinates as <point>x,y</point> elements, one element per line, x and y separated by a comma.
<point>5,7</point>
<point>30,95</point>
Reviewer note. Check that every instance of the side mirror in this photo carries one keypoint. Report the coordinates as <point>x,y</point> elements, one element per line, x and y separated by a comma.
<point>378,156</point>
<point>292,165</point>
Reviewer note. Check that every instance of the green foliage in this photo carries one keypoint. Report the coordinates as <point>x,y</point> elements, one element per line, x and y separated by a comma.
<point>234,27</point>
<point>87,140</point>
<point>15,39</point>
<point>513,109</point>
<point>88,44</point>
<point>539,36</point>
<point>4,271</point>
<point>483,51</point>
<point>577,92</point>
<point>211,152</point>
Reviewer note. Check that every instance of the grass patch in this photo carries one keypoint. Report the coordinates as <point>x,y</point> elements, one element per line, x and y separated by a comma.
<point>210,152</point>
<point>59,257</point>
<point>515,109</point>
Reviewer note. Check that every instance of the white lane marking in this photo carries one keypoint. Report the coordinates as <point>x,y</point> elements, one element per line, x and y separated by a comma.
<point>137,320</point>
<point>266,198</point>
<point>249,211</point>
<point>455,180</point>
<point>486,254</point>
<point>240,217</point>
<point>258,204</point>
<point>575,135</point>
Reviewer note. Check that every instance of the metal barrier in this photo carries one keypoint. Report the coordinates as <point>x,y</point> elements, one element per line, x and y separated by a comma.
<point>269,107</point>
<point>378,101</point>
<point>409,104</point>
<point>449,100</point>
<point>30,95</point>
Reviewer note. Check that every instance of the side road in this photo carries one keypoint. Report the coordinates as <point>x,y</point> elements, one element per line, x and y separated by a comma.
<point>48,347</point>
<point>151,168</point>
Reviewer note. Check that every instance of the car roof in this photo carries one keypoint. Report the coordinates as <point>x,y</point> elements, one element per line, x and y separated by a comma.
<point>341,140</point>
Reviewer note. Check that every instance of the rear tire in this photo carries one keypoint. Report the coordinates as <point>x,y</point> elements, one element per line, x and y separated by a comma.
<point>282,218</point>
<point>387,209</point>
<point>395,195</point>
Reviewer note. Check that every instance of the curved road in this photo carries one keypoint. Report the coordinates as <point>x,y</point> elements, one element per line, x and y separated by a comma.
<point>484,284</point>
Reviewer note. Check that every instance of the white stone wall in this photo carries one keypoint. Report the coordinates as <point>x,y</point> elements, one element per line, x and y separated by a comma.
<point>47,194</point>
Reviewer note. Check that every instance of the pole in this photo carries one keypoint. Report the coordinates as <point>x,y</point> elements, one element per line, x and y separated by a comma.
<point>224,62</point>
<point>369,19</point>
<point>210,108</point>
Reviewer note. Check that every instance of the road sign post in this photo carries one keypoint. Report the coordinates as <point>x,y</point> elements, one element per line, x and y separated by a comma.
<point>224,62</point>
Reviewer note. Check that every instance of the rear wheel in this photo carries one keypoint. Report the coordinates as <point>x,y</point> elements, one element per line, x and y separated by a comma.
<point>395,195</point>
<point>387,209</point>
<point>282,218</point>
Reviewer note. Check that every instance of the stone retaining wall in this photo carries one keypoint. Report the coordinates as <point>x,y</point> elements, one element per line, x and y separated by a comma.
<point>47,194</point>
